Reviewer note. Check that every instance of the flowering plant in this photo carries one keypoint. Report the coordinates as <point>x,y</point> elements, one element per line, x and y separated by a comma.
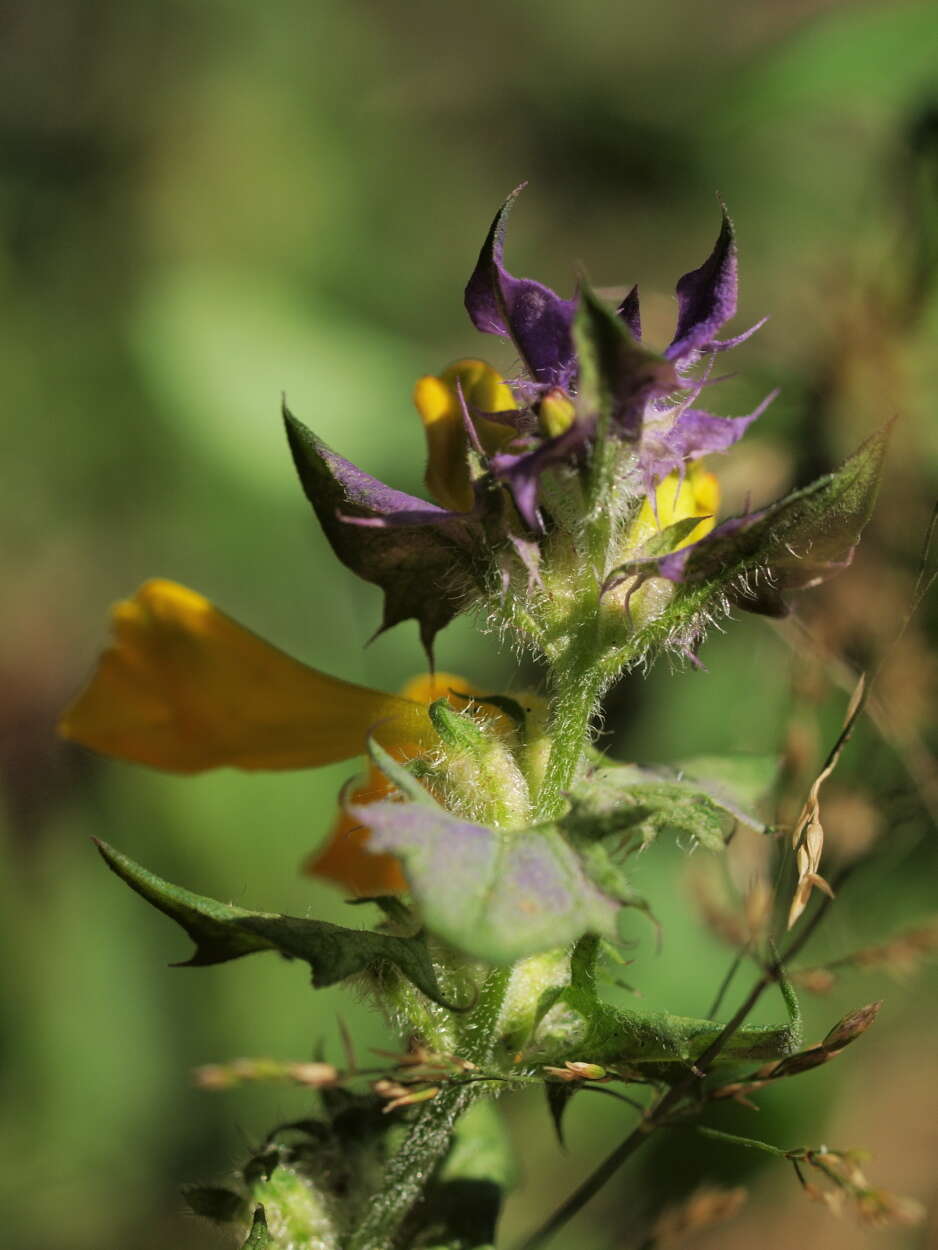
<point>571,509</point>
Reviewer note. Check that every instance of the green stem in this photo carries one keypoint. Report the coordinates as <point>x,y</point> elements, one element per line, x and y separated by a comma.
<point>411,1168</point>
<point>579,686</point>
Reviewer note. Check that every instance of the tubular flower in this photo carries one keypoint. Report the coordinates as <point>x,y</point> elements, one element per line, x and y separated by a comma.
<point>451,405</point>
<point>344,857</point>
<point>185,688</point>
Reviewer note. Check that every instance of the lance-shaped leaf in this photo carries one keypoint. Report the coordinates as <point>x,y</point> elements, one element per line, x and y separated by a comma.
<point>795,543</point>
<point>494,894</point>
<point>535,318</point>
<point>222,932</point>
<point>423,557</point>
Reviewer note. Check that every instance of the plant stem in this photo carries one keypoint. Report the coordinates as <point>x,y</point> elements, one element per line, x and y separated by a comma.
<point>578,686</point>
<point>409,1170</point>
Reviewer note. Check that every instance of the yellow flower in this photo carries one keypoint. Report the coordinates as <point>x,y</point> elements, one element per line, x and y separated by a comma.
<point>436,398</point>
<point>185,688</point>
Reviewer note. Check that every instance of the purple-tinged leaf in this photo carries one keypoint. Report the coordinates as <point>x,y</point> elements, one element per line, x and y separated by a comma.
<point>421,556</point>
<point>630,313</point>
<point>724,345</point>
<point>522,473</point>
<point>536,319</point>
<point>692,434</point>
<point>495,895</point>
<point>706,297</point>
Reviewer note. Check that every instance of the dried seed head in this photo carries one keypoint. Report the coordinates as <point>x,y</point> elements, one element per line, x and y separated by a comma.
<point>850,1027</point>
<point>316,1075</point>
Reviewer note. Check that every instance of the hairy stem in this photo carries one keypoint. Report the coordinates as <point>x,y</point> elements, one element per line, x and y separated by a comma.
<point>409,1170</point>
<point>578,687</point>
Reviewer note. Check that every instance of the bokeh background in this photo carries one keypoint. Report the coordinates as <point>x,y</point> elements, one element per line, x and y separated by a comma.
<point>203,206</point>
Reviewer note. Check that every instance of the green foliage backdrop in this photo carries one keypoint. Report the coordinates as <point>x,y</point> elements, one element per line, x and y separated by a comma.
<point>203,206</point>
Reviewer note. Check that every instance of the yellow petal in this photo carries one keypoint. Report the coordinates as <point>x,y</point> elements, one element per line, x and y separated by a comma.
<point>185,688</point>
<point>436,399</point>
<point>447,477</point>
<point>677,499</point>
<point>556,413</point>
<point>345,859</point>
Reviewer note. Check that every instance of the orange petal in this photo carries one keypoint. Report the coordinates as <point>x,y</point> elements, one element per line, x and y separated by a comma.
<point>345,858</point>
<point>185,688</point>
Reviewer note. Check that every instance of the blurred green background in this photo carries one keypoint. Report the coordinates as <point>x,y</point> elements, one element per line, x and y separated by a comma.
<point>203,206</point>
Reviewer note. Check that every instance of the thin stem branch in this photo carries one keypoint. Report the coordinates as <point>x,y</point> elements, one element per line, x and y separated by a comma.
<point>657,1114</point>
<point>727,981</point>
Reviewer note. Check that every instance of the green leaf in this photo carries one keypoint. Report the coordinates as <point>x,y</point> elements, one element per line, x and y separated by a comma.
<point>460,732</point>
<point>615,369</point>
<point>222,932</point>
<point>615,372</point>
<point>795,543</point>
<point>501,702</point>
<point>749,561</point>
<point>659,544</point>
<point>259,1237</point>
<point>493,894</point>
<point>617,798</point>
<point>739,783</point>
